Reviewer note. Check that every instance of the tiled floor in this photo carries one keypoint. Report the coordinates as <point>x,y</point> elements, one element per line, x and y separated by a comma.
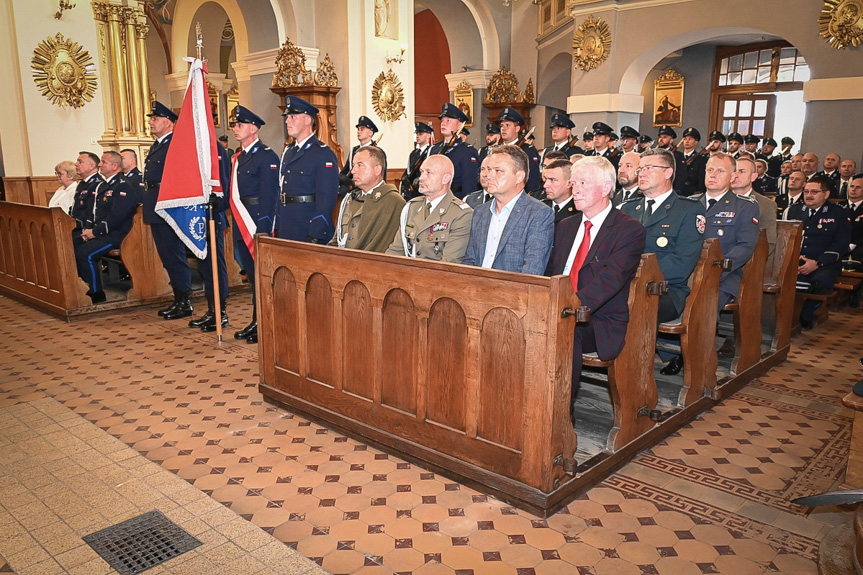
<point>713,498</point>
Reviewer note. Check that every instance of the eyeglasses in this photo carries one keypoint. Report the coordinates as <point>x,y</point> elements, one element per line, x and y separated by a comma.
<point>646,168</point>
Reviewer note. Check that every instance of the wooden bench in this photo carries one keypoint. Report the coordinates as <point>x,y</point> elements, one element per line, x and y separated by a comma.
<point>697,325</point>
<point>746,310</point>
<point>631,379</point>
<point>777,310</point>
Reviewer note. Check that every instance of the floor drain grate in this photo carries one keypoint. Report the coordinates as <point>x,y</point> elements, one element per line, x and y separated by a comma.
<point>133,546</point>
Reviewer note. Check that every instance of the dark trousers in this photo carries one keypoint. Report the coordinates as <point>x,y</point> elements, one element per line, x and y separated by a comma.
<point>172,252</point>
<point>87,257</point>
<point>206,265</point>
<point>246,260</point>
<point>584,341</point>
<point>821,280</point>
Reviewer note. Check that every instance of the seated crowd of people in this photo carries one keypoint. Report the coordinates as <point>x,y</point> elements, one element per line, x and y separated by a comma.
<point>589,213</point>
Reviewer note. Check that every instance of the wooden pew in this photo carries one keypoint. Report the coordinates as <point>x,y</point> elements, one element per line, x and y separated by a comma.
<point>746,310</point>
<point>631,379</point>
<point>777,309</point>
<point>37,262</point>
<point>697,326</point>
<point>149,278</point>
<point>461,368</point>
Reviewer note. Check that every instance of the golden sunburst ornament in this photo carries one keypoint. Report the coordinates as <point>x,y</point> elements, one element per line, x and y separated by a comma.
<point>64,72</point>
<point>388,97</point>
<point>592,44</point>
<point>841,23</point>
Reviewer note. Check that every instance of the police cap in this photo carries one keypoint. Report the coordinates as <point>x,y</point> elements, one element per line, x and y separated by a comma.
<point>242,115</point>
<point>491,128</point>
<point>422,127</point>
<point>295,105</point>
<point>512,116</point>
<point>449,110</point>
<point>629,132</point>
<point>668,131</point>
<point>717,135</point>
<point>735,137</point>
<point>160,109</point>
<point>601,129</point>
<point>690,131</point>
<point>559,120</point>
<point>366,122</point>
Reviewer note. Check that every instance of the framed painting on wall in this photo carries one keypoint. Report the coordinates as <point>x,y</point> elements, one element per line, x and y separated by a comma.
<point>668,100</point>
<point>464,101</point>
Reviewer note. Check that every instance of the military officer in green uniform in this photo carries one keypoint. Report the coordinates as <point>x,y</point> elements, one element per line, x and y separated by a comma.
<point>436,225</point>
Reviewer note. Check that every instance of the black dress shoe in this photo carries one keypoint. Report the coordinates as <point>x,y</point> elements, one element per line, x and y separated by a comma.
<point>807,324</point>
<point>253,337</point>
<point>172,305</point>
<point>211,325</point>
<point>673,367</point>
<point>183,308</point>
<point>727,348</point>
<point>98,297</point>
<point>247,331</point>
<point>208,318</point>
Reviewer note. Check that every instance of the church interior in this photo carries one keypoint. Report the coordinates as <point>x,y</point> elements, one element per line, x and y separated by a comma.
<point>113,412</point>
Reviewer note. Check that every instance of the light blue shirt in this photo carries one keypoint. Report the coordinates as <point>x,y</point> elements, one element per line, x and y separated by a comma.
<point>495,229</point>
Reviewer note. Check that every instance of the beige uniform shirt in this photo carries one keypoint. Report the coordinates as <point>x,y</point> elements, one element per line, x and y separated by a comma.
<point>442,236</point>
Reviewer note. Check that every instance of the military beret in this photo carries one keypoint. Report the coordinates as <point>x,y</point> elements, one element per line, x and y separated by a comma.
<point>561,121</point>
<point>601,129</point>
<point>786,141</point>
<point>735,137</point>
<point>492,128</point>
<point>645,139</point>
<point>717,135</point>
<point>587,136</point>
<point>690,131</point>
<point>629,132</point>
<point>366,122</point>
<point>423,127</point>
<point>294,105</point>
<point>512,116</point>
<point>161,110</point>
<point>451,111</point>
<point>241,115</point>
<point>769,142</point>
<point>750,139</point>
<point>668,131</point>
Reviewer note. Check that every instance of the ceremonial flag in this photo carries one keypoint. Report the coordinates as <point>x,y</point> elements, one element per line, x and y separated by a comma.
<point>192,165</point>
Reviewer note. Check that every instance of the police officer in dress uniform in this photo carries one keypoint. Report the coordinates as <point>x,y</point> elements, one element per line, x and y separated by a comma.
<point>309,179</point>
<point>735,141</point>
<point>629,139</point>
<point>366,129</point>
<point>826,237</point>
<point>561,132</point>
<point>601,137</point>
<point>169,246</point>
<point>665,141</point>
<point>511,123</point>
<point>774,163</point>
<point>131,172</point>
<point>481,196</point>
<point>252,196</point>
<point>558,189</point>
<point>409,187</point>
<point>627,179</point>
<point>492,139</point>
<point>463,157</point>
<point>84,203</point>
<point>768,145</point>
<point>644,143</point>
<point>750,144</point>
<point>114,209</point>
<point>436,225</point>
<point>695,162</point>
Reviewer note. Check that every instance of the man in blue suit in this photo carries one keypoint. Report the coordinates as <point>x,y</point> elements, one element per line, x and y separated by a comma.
<point>309,179</point>
<point>600,249</point>
<point>514,232</point>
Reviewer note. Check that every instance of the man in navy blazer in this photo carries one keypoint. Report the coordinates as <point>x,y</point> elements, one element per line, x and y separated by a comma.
<point>514,231</point>
<point>600,250</point>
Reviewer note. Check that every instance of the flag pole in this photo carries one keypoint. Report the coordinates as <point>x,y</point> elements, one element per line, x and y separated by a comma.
<point>217,300</point>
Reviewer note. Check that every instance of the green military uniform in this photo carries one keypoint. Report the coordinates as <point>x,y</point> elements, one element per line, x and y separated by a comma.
<point>369,221</point>
<point>443,235</point>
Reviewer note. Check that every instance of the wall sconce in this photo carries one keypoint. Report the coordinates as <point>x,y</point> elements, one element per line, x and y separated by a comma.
<point>397,59</point>
<point>64,5</point>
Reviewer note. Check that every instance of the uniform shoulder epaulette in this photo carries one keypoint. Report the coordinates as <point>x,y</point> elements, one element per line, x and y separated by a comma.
<point>266,147</point>
<point>417,199</point>
<point>460,203</point>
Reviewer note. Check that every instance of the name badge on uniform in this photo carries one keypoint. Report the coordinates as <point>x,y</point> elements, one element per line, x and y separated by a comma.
<point>662,241</point>
<point>439,227</point>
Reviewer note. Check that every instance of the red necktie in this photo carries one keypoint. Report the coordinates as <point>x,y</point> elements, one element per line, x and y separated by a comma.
<point>580,256</point>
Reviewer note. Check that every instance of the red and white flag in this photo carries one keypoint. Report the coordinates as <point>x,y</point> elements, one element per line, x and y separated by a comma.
<point>192,165</point>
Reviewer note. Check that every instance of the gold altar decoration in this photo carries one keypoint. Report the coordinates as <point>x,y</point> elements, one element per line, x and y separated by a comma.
<point>326,74</point>
<point>388,97</point>
<point>292,70</point>
<point>503,89</point>
<point>64,72</point>
<point>841,23</point>
<point>591,44</point>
